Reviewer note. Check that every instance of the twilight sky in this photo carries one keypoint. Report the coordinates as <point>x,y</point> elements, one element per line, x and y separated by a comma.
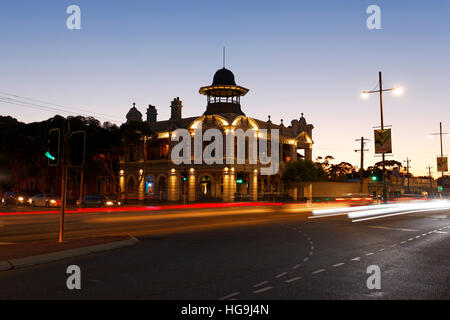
<point>313,57</point>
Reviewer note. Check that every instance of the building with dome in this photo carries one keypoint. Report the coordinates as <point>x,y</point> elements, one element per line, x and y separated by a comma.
<point>147,172</point>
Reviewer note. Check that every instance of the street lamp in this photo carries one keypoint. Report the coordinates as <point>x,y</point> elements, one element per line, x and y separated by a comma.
<point>365,94</point>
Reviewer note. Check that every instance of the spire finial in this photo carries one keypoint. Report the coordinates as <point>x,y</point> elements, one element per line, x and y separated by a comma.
<point>224,57</point>
<point>302,114</point>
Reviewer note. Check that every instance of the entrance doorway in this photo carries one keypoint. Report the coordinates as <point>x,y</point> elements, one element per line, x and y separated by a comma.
<point>205,187</point>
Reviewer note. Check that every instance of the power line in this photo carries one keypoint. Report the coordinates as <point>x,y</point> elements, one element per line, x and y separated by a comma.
<point>53,109</point>
<point>67,109</point>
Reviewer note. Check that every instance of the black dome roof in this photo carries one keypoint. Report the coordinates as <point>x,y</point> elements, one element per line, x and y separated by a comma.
<point>224,77</point>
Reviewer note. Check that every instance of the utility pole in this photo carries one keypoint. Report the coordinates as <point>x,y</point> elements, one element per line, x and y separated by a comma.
<point>442,149</point>
<point>380,91</point>
<point>431,179</point>
<point>361,167</point>
<point>382,128</point>
<point>407,171</point>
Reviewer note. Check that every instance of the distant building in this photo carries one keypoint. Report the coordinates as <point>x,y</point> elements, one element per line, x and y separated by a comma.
<point>149,173</point>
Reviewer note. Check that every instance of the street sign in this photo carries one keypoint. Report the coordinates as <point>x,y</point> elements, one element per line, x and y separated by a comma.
<point>442,164</point>
<point>383,141</point>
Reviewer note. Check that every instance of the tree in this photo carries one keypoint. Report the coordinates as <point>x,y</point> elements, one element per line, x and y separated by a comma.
<point>302,170</point>
<point>137,136</point>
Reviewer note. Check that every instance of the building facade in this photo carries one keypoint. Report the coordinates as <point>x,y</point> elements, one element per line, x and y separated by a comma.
<point>147,171</point>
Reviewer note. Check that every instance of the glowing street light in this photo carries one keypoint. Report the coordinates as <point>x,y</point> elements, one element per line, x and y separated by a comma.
<point>365,94</point>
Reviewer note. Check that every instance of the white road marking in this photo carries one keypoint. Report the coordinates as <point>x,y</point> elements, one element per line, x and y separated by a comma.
<point>262,290</point>
<point>280,275</point>
<point>391,228</point>
<point>440,232</point>
<point>230,296</point>
<point>393,245</point>
<point>417,237</point>
<point>310,253</point>
<point>381,250</point>
<point>260,284</point>
<point>306,259</point>
<point>338,264</point>
<point>410,239</point>
<point>312,247</point>
<point>293,279</point>
<point>403,242</point>
<point>424,234</point>
<point>297,266</point>
<point>356,259</point>
<point>318,271</point>
<point>369,254</point>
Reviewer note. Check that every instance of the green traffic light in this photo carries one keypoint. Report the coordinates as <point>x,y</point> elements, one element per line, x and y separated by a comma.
<point>374,178</point>
<point>48,155</point>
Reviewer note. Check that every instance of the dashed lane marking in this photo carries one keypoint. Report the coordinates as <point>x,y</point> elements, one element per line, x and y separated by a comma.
<point>338,264</point>
<point>318,271</point>
<point>297,266</point>
<point>356,259</point>
<point>262,290</point>
<point>369,254</point>
<point>230,296</point>
<point>293,279</point>
<point>281,275</point>
<point>260,284</point>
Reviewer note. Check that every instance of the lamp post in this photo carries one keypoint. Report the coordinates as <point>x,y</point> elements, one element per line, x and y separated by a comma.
<point>365,94</point>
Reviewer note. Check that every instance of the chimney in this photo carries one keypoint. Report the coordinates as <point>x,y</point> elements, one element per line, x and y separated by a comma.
<point>151,114</point>
<point>176,106</point>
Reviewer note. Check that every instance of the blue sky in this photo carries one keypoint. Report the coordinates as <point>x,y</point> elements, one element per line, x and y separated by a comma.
<point>313,57</point>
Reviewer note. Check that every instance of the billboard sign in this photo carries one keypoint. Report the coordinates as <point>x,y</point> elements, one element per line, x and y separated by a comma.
<point>442,164</point>
<point>383,141</point>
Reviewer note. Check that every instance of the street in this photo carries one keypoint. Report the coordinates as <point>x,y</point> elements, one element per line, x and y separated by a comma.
<point>261,252</point>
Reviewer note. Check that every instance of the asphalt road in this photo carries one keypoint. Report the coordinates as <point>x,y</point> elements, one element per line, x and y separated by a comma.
<point>240,253</point>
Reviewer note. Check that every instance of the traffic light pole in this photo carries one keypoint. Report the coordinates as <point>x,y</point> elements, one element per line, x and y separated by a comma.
<point>63,203</point>
<point>63,186</point>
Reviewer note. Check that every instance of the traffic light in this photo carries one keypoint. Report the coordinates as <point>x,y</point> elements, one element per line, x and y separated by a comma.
<point>374,178</point>
<point>183,176</point>
<point>53,147</point>
<point>440,188</point>
<point>240,178</point>
<point>76,148</point>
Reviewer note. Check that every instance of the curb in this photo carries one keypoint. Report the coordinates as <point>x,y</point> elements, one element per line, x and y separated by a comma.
<point>59,255</point>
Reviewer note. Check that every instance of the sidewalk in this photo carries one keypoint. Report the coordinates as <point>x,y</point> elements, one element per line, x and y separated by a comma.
<point>19,255</point>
